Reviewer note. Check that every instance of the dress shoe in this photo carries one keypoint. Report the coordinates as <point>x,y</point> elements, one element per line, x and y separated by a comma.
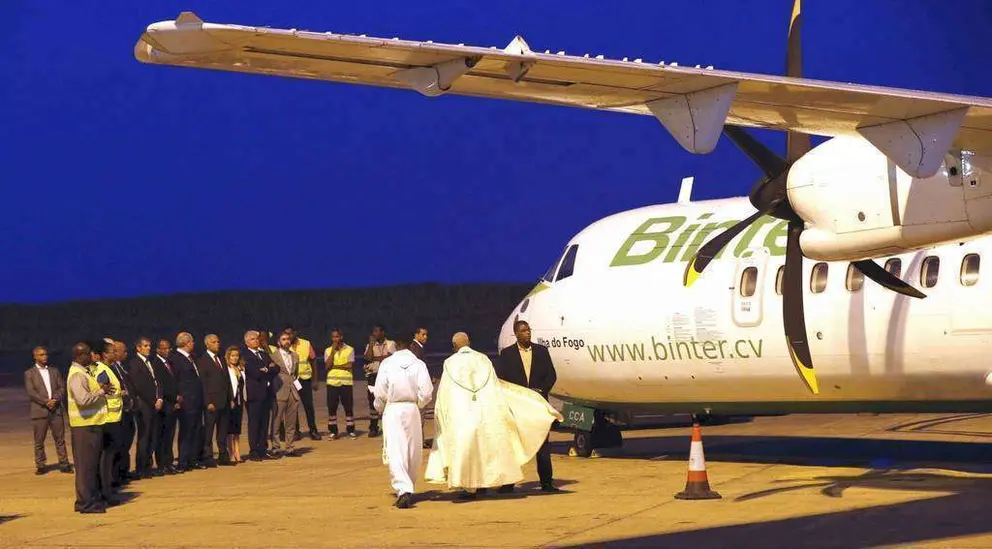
<point>508,489</point>
<point>404,501</point>
<point>158,473</point>
<point>314,435</point>
<point>550,488</point>
<point>39,471</point>
<point>225,462</point>
<point>65,468</point>
<point>94,510</point>
<point>170,470</point>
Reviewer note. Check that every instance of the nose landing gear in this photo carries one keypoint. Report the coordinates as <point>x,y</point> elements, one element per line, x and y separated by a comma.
<point>602,433</point>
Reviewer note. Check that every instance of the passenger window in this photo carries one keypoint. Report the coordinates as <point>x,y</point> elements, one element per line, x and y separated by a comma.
<point>929,271</point>
<point>894,266</point>
<point>778,280</point>
<point>749,281</point>
<point>567,264</point>
<point>855,279</point>
<point>969,269</point>
<point>818,278</point>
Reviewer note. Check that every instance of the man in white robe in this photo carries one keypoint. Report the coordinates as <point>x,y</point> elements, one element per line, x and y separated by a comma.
<point>402,388</point>
<point>485,429</point>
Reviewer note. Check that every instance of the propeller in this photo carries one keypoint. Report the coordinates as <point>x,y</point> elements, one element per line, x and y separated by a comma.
<point>770,197</point>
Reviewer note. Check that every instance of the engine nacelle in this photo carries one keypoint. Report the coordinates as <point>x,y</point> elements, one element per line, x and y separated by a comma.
<point>858,204</point>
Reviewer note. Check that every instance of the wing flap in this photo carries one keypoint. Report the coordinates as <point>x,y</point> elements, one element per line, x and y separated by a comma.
<point>764,101</point>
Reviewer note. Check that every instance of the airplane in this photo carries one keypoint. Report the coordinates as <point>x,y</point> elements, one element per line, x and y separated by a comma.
<point>679,307</point>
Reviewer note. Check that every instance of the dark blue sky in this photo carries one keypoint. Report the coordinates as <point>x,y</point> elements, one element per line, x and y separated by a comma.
<point>123,179</point>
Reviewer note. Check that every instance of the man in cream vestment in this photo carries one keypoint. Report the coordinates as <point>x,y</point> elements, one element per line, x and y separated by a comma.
<point>486,429</point>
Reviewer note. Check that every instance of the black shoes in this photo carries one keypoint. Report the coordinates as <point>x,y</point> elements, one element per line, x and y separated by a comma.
<point>404,501</point>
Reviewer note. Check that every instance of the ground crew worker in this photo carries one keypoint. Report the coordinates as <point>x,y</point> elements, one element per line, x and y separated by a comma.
<point>304,350</point>
<point>340,360</point>
<point>378,349</point>
<point>87,414</point>
<point>113,434</point>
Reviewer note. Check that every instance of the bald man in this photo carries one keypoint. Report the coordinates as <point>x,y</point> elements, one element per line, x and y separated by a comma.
<point>487,429</point>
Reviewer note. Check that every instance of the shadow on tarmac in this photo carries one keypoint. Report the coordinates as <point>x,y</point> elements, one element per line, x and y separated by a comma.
<point>973,457</point>
<point>960,511</point>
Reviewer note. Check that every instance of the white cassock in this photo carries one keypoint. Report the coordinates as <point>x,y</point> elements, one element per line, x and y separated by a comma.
<point>485,428</point>
<point>402,387</point>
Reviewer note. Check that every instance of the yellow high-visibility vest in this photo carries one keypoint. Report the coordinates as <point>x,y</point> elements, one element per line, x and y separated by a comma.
<point>302,350</point>
<point>338,373</point>
<point>91,414</point>
<point>115,402</point>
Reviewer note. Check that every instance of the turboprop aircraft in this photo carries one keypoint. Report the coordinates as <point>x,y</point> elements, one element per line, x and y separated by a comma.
<point>676,307</point>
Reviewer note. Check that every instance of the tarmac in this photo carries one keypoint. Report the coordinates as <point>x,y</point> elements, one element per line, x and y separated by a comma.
<point>786,481</point>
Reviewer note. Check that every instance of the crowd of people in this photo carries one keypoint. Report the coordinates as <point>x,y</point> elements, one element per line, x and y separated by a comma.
<point>178,398</point>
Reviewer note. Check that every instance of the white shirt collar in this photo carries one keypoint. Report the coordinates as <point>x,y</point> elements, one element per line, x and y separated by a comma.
<point>40,367</point>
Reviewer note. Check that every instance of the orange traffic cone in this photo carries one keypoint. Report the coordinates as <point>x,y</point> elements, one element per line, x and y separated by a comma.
<point>697,485</point>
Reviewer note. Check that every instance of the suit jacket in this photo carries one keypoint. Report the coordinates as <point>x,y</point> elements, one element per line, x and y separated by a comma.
<point>282,385</point>
<point>257,381</point>
<point>38,394</point>
<point>216,382</point>
<point>190,385</point>
<point>130,393</point>
<point>167,380</point>
<point>510,368</point>
<point>147,387</point>
<point>417,349</point>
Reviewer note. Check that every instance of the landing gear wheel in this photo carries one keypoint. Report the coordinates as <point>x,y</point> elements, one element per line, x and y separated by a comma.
<point>583,444</point>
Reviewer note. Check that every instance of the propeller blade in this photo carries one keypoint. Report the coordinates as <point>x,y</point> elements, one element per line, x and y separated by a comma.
<point>792,308</point>
<point>770,163</point>
<point>796,144</point>
<point>708,251</point>
<point>886,279</point>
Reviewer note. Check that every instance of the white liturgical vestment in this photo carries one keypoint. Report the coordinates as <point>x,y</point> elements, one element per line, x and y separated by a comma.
<point>485,429</point>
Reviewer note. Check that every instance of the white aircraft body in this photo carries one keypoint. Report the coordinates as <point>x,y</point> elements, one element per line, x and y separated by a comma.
<point>625,334</point>
<point>680,307</point>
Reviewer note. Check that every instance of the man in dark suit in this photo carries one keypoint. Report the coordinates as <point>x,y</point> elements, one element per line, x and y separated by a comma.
<point>124,436</point>
<point>259,371</point>
<point>417,348</point>
<point>529,365</point>
<point>165,373</point>
<point>419,340</point>
<point>149,405</point>
<point>217,395</point>
<point>46,391</point>
<point>191,403</point>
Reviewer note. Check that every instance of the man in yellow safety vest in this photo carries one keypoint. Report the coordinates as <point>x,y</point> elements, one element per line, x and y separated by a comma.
<point>87,407</point>
<point>308,371</point>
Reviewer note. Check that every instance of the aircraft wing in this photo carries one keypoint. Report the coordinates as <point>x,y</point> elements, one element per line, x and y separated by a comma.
<point>914,128</point>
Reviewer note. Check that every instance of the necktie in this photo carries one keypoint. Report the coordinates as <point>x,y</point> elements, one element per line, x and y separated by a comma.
<point>151,371</point>
<point>217,362</point>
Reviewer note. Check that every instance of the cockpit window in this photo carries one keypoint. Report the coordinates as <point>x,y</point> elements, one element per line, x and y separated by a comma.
<point>550,275</point>
<point>568,263</point>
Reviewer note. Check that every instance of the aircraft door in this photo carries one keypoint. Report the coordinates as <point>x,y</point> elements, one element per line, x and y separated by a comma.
<point>748,287</point>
